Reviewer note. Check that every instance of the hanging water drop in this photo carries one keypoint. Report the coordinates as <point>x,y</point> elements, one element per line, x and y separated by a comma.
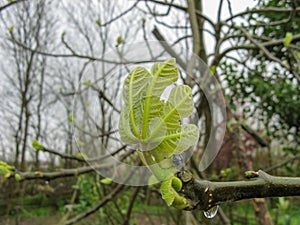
<point>212,212</point>
<point>178,161</point>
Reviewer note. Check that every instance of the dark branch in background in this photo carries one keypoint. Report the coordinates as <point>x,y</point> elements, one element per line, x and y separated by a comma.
<point>265,10</point>
<point>271,43</point>
<point>130,207</point>
<point>10,3</point>
<point>205,194</point>
<point>167,47</point>
<point>62,155</point>
<point>72,172</point>
<point>120,15</point>
<point>255,135</point>
<point>263,48</point>
<point>75,55</point>
<point>59,174</point>
<point>198,13</point>
<point>279,165</point>
<point>104,201</point>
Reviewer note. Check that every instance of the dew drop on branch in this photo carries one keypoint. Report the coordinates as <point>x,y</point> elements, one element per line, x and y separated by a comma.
<point>212,212</point>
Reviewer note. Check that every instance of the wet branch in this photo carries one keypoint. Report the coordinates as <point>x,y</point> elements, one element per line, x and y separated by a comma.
<point>205,194</point>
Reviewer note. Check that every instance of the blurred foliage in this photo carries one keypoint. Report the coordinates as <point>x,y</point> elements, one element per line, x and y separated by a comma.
<point>264,89</point>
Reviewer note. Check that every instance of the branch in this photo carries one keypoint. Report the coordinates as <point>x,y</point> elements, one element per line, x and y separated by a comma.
<point>10,3</point>
<point>72,172</point>
<point>62,155</point>
<point>264,10</point>
<point>198,13</point>
<point>130,207</point>
<point>255,135</point>
<point>205,194</point>
<point>281,164</point>
<point>58,174</point>
<point>271,43</point>
<point>105,200</point>
<point>72,55</point>
<point>194,25</point>
<point>167,47</point>
<point>268,54</point>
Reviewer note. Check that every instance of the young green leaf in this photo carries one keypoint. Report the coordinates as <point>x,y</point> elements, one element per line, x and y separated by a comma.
<point>106,181</point>
<point>18,177</point>
<point>71,118</point>
<point>36,145</point>
<point>288,39</point>
<point>155,124</point>
<point>98,22</point>
<point>169,190</point>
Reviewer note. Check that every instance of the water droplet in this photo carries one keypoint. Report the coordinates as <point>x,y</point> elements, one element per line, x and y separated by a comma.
<point>178,161</point>
<point>212,212</point>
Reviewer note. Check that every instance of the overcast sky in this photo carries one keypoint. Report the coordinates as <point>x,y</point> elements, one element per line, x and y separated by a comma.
<point>211,7</point>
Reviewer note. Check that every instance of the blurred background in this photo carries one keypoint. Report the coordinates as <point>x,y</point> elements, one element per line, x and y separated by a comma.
<point>62,64</point>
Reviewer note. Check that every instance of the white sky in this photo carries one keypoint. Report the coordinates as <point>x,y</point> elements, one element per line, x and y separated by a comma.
<point>210,7</point>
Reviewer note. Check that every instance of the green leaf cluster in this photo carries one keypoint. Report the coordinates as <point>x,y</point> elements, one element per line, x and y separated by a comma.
<point>36,145</point>
<point>7,170</point>
<point>169,190</point>
<point>153,123</point>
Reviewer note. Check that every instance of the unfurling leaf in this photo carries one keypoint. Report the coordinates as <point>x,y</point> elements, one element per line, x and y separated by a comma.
<point>151,122</point>
<point>71,118</point>
<point>106,181</point>
<point>155,124</point>
<point>18,177</point>
<point>288,39</point>
<point>98,22</point>
<point>11,28</point>
<point>36,145</point>
<point>169,190</point>
<point>6,170</point>
<point>87,83</point>
<point>119,40</point>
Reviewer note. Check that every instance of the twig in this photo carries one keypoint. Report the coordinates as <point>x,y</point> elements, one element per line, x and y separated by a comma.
<point>264,10</point>
<point>104,201</point>
<point>10,3</point>
<point>58,174</point>
<point>168,48</point>
<point>263,48</point>
<point>282,163</point>
<point>253,46</point>
<point>198,13</point>
<point>72,172</point>
<point>130,207</point>
<point>62,155</point>
<point>255,135</point>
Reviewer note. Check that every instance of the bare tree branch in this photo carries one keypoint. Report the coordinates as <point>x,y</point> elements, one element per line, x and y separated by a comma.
<point>104,201</point>
<point>10,3</point>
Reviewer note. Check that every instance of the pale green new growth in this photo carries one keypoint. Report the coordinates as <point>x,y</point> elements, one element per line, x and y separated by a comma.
<point>155,125</point>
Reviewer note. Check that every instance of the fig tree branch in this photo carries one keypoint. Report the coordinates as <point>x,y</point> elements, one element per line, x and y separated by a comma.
<point>205,194</point>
